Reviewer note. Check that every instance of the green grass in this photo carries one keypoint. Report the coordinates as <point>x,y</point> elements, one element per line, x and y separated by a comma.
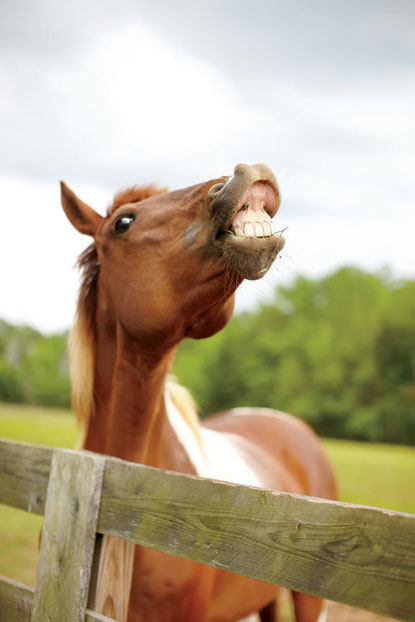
<point>19,531</point>
<point>369,474</point>
<point>44,426</point>
<point>372,474</point>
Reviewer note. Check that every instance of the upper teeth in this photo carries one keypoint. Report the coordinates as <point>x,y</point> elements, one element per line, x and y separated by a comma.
<point>253,230</point>
<point>249,230</point>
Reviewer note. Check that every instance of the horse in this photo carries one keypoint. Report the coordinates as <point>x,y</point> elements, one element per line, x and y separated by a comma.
<point>164,266</point>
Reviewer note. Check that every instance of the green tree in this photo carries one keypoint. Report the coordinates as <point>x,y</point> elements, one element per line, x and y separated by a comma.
<point>47,370</point>
<point>11,389</point>
<point>395,366</point>
<point>33,368</point>
<point>337,351</point>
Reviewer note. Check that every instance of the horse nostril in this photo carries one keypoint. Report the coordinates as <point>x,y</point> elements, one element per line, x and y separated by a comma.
<point>214,190</point>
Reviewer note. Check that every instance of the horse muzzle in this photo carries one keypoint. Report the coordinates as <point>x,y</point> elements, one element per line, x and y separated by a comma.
<point>243,207</point>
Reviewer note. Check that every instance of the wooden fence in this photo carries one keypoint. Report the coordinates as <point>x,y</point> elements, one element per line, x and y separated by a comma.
<point>360,556</point>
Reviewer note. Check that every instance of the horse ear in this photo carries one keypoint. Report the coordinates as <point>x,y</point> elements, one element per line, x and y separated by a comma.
<point>83,217</point>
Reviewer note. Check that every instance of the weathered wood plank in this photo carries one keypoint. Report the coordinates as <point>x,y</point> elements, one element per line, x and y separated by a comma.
<point>114,578</point>
<point>360,556</point>
<point>68,537</point>
<point>24,475</point>
<point>16,602</point>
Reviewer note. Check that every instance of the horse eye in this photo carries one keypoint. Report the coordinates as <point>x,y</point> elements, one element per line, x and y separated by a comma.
<point>123,223</point>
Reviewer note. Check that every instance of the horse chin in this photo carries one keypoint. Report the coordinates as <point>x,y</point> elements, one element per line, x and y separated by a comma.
<point>251,258</point>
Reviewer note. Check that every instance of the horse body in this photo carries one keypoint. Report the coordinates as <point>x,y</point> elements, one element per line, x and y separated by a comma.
<point>165,266</point>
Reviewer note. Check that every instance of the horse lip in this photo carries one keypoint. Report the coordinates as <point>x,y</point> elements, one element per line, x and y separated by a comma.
<point>227,193</point>
<point>276,242</point>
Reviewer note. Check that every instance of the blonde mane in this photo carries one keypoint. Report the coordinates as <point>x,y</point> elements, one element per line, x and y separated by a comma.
<point>81,343</point>
<point>81,365</point>
<point>82,338</point>
<point>186,405</point>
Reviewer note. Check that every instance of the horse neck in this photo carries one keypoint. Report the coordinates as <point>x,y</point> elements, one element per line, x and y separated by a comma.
<point>129,406</point>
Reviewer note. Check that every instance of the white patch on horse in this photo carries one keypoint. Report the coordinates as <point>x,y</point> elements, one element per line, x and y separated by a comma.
<point>217,457</point>
<point>323,613</point>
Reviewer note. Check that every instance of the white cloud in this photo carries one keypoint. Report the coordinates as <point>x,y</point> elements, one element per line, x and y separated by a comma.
<point>159,99</point>
<point>37,254</point>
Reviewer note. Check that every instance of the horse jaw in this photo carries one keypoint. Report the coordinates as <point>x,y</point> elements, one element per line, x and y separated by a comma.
<point>212,320</point>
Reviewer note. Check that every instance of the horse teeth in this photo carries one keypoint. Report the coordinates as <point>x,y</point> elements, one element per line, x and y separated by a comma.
<point>259,232</point>
<point>249,230</point>
<point>253,230</point>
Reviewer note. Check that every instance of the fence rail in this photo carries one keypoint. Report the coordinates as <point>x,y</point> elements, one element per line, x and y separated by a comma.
<point>357,555</point>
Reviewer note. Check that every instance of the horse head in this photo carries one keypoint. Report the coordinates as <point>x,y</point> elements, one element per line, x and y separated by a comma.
<point>169,262</point>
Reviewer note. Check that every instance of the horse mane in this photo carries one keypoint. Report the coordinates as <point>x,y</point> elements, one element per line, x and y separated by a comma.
<point>82,338</point>
<point>134,194</point>
<point>186,405</point>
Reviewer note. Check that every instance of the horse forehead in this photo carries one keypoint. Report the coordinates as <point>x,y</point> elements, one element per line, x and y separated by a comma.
<point>181,203</point>
<point>175,204</point>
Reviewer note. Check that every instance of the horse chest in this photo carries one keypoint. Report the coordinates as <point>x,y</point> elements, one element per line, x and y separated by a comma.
<point>215,455</point>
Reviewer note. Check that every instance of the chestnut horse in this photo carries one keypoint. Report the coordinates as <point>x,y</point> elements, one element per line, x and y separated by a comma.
<point>164,266</point>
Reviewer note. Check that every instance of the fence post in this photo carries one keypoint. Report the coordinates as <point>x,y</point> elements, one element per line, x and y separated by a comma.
<point>68,537</point>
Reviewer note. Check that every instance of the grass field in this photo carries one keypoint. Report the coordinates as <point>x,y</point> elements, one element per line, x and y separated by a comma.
<point>19,531</point>
<point>369,474</point>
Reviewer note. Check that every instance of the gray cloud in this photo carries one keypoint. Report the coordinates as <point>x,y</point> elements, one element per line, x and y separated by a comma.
<point>322,91</point>
<point>308,40</point>
<point>46,30</point>
<point>55,122</point>
<point>245,41</point>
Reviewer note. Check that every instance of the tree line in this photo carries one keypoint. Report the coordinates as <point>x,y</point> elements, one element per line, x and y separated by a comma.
<point>338,352</point>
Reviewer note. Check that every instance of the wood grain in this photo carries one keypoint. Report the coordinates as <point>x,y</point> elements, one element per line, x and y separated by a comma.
<point>114,578</point>
<point>360,556</point>
<point>68,537</point>
<point>16,603</point>
<point>24,475</point>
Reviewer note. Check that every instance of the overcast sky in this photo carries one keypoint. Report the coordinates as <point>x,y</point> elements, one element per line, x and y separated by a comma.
<point>115,92</point>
